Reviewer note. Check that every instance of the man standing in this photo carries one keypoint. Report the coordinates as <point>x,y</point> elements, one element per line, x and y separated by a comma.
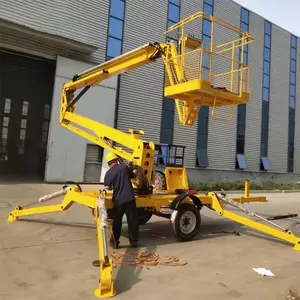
<point>118,178</point>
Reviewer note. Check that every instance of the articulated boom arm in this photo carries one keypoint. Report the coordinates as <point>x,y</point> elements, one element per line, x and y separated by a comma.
<point>142,152</point>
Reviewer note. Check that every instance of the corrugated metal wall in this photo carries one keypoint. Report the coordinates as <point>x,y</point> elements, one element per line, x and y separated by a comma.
<point>222,135</point>
<point>185,135</point>
<point>84,22</point>
<point>297,117</point>
<point>254,108</point>
<point>141,90</point>
<point>279,99</point>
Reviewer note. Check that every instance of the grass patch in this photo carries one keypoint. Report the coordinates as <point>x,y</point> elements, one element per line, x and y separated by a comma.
<point>240,185</point>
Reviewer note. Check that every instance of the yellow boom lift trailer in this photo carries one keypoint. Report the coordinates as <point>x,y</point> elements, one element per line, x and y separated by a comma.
<point>191,85</point>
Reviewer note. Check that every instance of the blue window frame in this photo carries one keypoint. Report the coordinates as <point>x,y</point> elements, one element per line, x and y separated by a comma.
<point>241,113</point>
<point>168,107</point>
<point>202,129</point>
<point>115,29</point>
<point>264,160</point>
<point>292,103</point>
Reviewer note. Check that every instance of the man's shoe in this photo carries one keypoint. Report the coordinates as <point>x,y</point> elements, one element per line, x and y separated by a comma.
<point>113,244</point>
<point>134,244</point>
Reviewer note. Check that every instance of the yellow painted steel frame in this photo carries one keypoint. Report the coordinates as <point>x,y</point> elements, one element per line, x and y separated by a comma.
<point>157,201</point>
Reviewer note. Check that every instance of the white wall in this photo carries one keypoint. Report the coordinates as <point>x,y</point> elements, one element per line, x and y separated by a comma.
<point>66,150</point>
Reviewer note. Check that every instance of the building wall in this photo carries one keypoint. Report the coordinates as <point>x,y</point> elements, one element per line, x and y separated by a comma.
<point>141,90</point>
<point>66,150</point>
<point>279,99</point>
<point>85,22</point>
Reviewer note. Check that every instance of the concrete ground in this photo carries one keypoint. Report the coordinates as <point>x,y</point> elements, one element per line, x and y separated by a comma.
<point>50,256</point>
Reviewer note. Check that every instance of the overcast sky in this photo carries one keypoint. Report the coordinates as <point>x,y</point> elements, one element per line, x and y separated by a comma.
<point>284,13</point>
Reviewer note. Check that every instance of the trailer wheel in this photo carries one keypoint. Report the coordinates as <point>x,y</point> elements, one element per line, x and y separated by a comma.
<point>144,215</point>
<point>186,222</point>
<point>160,181</point>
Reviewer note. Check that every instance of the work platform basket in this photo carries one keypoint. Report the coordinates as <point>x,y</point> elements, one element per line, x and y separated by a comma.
<point>210,70</point>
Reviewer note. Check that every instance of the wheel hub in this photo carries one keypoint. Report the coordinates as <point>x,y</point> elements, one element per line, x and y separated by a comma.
<point>187,222</point>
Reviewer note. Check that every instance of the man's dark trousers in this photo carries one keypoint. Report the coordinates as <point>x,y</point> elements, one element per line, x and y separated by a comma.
<point>130,209</point>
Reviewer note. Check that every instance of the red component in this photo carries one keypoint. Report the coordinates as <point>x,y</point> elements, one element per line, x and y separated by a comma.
<point>191,192</point>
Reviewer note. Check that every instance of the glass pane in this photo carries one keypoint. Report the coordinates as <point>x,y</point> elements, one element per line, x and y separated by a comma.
<point>207,28</point>
<point>25,108</point>
<point>47,111</point>
<point>171,23</point>
<point>176,2</point>
<point>266,67</point>
<point>241,131</point>
<point>117,8</point>
<point>292,90</point>
<point>206,60</point>
<point>166,136</point>
<point>113,47</point>
<point>168,104</point>
<point>266,81</point>
<point>292,102</point>
<point>210,2</point>
<point>245,15</point>
<point>241,161</point>
<point>207,41</point>
<point>266,163</point>
<point>267,54</point>
<point>294,42</point>
<point>45,126</point>
<point>205,73</point>
<point>115,28</point>
<point>268,28</point>
<point>208,9</point>
<point>23,123</point>
<point>293,78</point>
<point>244,26</point>
<point>5,121</point>
<point>202,141</point>
<point>7,106</point>
<point>173,13</point>
<point>293,65</point>
<point>293,53</point>
<point>22,134</point>
<point>267,41</point>
<point>21,150</point>
<point>265,94</point>
<point>4,132</point>
<point>245,58</point>
<point>4,141</point>
<point>168,119</point>
<point>202,158</point>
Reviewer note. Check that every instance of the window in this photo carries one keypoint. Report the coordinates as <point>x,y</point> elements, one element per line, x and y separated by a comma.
<point>241,117</point>
<point>292,104</point>
<point>202,129</point>
<point>168,107</point>
<point>115,29</point>
<point>265,164</point>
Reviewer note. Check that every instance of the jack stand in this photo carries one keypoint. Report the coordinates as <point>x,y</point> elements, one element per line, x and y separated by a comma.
<point>106,283</point>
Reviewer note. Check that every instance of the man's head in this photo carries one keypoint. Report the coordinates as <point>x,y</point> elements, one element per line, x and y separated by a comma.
<point>111,159</point>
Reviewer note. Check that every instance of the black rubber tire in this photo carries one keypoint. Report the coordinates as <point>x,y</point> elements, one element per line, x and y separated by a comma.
<point>182,209</point>
<point>144,215</point>
<point>160,177</point>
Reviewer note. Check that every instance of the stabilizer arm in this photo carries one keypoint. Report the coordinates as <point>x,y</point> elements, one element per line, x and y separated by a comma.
<point>282,234</point>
